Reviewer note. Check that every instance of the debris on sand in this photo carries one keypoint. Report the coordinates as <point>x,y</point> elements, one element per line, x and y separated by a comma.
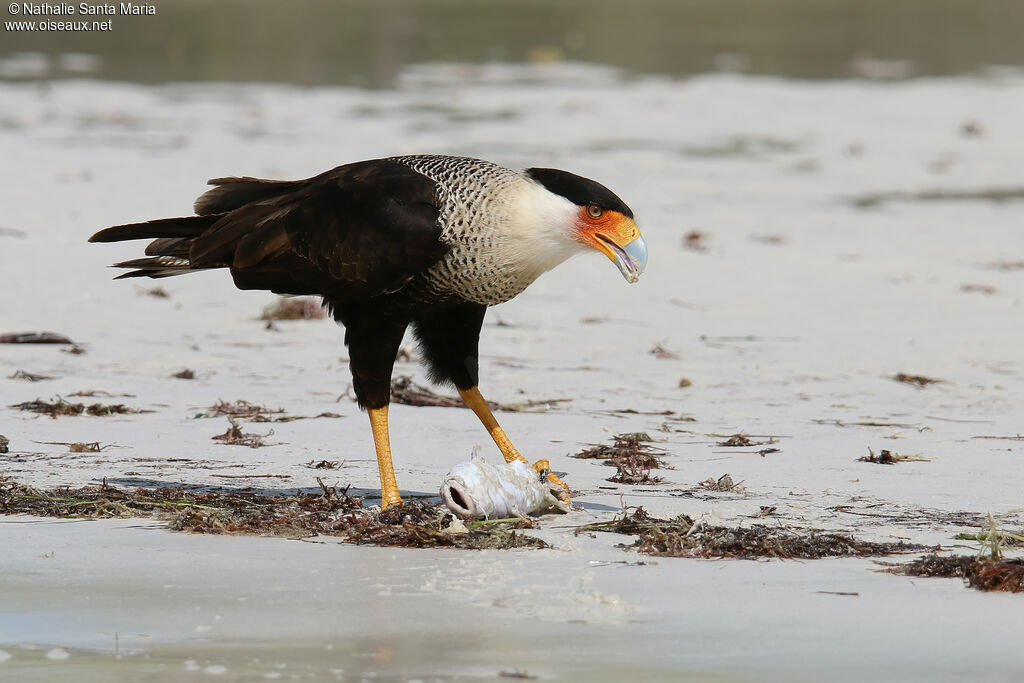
<point>234,436</point>
<point>1006,265</point>
<point>158,292</point>
<point>184,374</point>
<point>724,483</point>
<point>993,194</point>
<point>323,465</point>
<point>682,537</point>
<point>981,574</point>
<point>408,392</point>
<point>632,455</point>
<point>915,380</point>
<point>293,308</point>
<point>973,288</point>
<point>330,512</point>
<point>4,441</point>
<point>34,338</point>
<point>240,409</point>
<point>244,410</point>
<point>885,457</point>
<point>76,446</point>
<point>695,240</point>
<point>659,351</point>
<point>62,407</point>
<point>743,441</point>
<point>29,376</point>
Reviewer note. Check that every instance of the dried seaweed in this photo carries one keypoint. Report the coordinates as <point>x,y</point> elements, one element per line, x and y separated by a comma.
<point>62,407</point>
<point>407,392</point>
<point>240,408</point>
<point>980,574</point>
<point>34,338</point>
<point>916,380</point>
<point>723,483</point>
<point>29,376</point>
<point>329,512</point>
<point>234,436</point>
<point>659,351</point>
<point>681,537</point>
<point>631,455</point>
<point>293,308</point>
<point>993,194</point>
<point>323,465</point>
<point>77,446</point>
<point>743,441</point>
<point>885,457</point>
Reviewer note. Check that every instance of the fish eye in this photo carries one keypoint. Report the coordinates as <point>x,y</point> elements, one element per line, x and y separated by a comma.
<point>594,210</point>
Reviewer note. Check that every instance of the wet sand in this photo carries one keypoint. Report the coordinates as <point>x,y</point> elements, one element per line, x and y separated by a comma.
<point>809,242</point>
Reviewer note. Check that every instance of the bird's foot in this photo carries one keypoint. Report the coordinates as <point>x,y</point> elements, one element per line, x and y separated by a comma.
<point>543,466</point>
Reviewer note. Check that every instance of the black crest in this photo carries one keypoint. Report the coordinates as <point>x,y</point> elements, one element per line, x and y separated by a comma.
<point>579,190</point>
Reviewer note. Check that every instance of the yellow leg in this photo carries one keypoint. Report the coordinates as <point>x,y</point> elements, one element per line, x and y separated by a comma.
<point>382,442</point>
<point>472,398</point>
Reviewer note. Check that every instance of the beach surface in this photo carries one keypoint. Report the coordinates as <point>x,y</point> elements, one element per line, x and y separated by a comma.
<point>819,251</point>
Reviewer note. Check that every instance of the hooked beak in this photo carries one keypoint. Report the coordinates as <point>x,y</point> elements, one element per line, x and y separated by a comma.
<point>630,257</point>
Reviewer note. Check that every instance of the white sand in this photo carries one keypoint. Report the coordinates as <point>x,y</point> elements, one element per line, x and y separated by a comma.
<point>841,301</point>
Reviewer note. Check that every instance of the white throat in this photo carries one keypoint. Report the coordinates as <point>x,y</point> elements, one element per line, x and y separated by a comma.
<point>540,230</point>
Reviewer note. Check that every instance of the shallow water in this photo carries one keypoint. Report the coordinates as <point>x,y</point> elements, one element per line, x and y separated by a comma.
<point>369,44</point>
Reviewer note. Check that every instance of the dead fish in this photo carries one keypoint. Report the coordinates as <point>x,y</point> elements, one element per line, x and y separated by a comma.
<point>477,489</point>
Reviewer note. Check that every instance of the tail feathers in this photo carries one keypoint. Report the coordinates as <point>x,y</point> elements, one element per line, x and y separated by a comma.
<point>233,193</point>
<point>188,226</point>
<point>169,246</point>
<point>156,267</point>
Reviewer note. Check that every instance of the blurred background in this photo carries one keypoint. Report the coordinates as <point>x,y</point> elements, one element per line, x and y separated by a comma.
<point>368,42</point>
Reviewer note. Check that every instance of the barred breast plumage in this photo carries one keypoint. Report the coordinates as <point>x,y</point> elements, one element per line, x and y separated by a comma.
<point>489,217</point>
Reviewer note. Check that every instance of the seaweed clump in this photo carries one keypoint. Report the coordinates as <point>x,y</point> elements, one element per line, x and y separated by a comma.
<point>682,537</point>
<point>62,407</point>
<point>633,457</point>
<point>329,512</point>
<point>886,457</point>
<point>981,574</point>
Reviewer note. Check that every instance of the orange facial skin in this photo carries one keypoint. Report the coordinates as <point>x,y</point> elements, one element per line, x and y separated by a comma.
<point>597,231</point>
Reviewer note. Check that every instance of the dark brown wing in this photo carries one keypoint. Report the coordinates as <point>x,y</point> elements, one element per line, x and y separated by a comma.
<point>353,232</point>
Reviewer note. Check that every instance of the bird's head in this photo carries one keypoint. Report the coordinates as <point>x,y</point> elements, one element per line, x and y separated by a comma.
<point>601,221</point>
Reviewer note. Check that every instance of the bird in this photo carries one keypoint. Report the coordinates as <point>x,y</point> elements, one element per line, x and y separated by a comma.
<point>426,242</point>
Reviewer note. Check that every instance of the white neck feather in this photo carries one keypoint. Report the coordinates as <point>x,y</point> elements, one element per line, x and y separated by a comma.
<point>539,233</point>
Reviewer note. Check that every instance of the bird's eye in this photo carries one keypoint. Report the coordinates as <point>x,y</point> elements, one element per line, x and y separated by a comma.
<point>595,211</point>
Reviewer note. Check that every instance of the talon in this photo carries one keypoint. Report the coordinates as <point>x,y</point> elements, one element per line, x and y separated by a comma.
<point>553,478</point>
<point>543,466</point>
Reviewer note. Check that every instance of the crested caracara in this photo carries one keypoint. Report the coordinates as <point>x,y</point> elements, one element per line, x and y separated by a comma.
<point>426,241</point>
